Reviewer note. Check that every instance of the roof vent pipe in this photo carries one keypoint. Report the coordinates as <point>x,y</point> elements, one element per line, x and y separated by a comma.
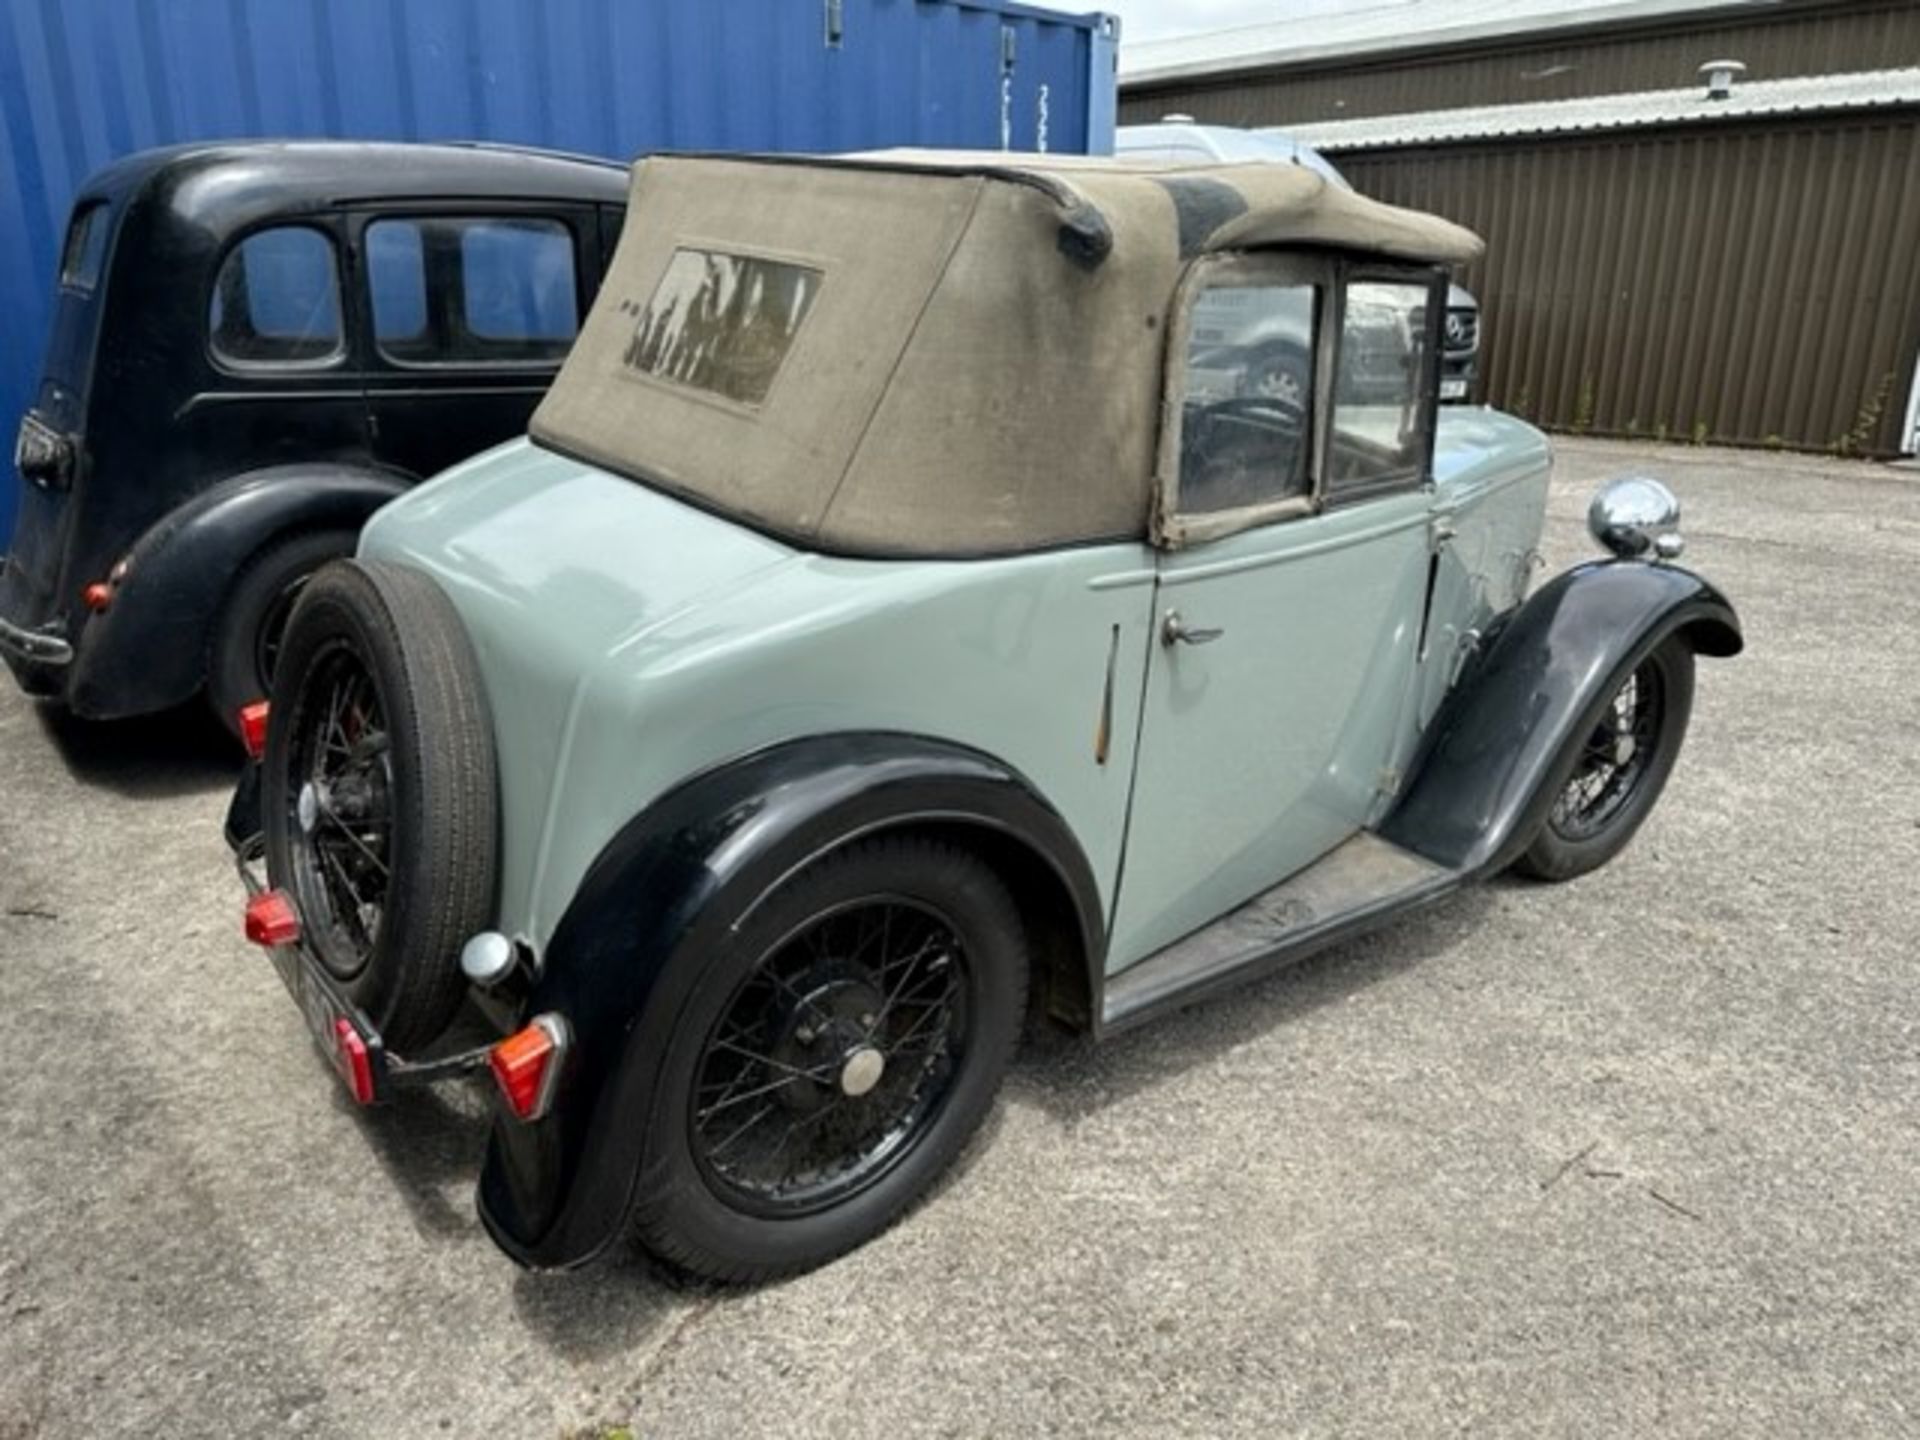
<point>1720,77</point>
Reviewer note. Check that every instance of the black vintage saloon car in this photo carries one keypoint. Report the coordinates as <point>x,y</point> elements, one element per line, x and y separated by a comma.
<point>254,346</point>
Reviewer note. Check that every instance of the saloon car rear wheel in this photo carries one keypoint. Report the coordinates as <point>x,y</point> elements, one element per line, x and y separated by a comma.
<point>253,620</point>
<point>379,795</point>
<point>833,1061</point>
<point>1616,767</point>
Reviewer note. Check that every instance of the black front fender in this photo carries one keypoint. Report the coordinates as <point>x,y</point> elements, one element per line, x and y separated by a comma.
<point>1476,794</point>
<point>149,649</point>
<point>672,886</point>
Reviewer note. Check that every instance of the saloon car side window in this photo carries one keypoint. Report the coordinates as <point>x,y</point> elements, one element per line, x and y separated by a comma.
<point>85,251</point>
<point>1246,410</point>
<point>517,284</point>
<point>1383,386</point>
<point>472,290</point>
<point>276,300</point>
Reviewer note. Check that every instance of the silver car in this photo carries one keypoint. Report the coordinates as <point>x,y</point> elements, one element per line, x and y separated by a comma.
<point>924,599</point>
<point>1179,140</point>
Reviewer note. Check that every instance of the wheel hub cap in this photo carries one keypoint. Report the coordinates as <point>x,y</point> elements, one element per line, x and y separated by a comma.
<point>862,1071</point>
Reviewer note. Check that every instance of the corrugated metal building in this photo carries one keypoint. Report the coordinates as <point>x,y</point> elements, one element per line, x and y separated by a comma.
<point>85,81</point>
<point>1660,263</point>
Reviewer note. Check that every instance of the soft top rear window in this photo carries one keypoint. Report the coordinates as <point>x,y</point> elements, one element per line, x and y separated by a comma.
<point>85,250</point>
<point>722,323</point>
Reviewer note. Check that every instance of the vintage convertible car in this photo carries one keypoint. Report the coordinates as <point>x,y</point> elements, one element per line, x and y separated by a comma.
<point>899,617</point>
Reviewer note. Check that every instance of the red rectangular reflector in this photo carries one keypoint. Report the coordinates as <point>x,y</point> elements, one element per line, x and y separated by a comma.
<point>253,728</point>
<point>355,1065</point>
<point>271,919</point>
<point>527,1063</point>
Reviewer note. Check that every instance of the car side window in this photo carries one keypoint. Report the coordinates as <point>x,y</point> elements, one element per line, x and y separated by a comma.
<point>397,285</point>
<point>276,300</point>
<point>477,290</point>
<point>519,283</point>
<point>85,251</point>
<point>1246,431</point>
<point>1382,388</point>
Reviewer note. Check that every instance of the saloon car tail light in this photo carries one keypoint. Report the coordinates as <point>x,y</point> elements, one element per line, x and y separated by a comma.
<point>526,1065</point>
<point>271,919</point>
<point>253,728</point>
<point>97,596</point>
<point>350,1057</point>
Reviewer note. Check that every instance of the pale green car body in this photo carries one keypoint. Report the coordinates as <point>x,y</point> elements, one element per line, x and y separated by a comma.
<point>629,641</point>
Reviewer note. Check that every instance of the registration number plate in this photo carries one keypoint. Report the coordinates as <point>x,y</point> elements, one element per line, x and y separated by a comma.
<point>325,1014</point>
<point>1453,389</point>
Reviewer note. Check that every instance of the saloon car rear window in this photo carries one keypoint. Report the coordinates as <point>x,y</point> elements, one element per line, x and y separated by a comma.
<point>722,323</point>
<point>472,289</point>
<point>276,300</point>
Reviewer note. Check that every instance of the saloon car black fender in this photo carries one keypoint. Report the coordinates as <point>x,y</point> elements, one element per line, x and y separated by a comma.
<point>1478,790</point>
<point>149,648</point>
<point>676,882</point>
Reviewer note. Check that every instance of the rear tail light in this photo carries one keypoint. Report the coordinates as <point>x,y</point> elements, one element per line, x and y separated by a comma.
<point>97,596</point>
<point>526,1065</point>
<point>271,919</point>
<point>350,1057</point>
<point>253,728</point>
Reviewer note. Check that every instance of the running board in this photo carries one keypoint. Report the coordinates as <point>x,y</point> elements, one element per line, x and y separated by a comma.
<point>1359,884</point>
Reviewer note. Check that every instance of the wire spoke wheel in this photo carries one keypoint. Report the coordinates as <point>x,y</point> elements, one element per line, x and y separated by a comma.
<point>379,792</point>
<point>1616,756</point>
<point>272,630</point>
<point>339,821</point>
<point>1613,770</point>
<point>833,1056</point>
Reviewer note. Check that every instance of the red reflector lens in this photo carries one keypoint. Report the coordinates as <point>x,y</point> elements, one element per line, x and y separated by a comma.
<point>526,1064</point>
<point>356,1066</point>
<point>271,919</point>
<point>253,728</point>
<point>97,596</point>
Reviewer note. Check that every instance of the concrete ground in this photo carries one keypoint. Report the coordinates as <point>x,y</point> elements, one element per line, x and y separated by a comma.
<point>1636,1155</point>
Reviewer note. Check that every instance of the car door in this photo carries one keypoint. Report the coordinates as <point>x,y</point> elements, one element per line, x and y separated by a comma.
<point>1294,524</point>
<point>470,309</point>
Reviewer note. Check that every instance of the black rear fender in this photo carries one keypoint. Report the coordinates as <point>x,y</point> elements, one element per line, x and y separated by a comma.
<point>1476,795</point>
<point>149,649</point>
<point>675,883</point>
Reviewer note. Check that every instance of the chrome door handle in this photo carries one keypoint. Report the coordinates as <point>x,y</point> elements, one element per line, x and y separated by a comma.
<point>1175,631</point>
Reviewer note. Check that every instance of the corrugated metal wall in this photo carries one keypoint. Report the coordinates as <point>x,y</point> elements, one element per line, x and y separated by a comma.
<point>1793,39</point>
<point>1750,283</point>
<point>85,81</point>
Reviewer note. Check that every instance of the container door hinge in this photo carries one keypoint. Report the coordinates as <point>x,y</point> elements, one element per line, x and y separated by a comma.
<point>1390,780</point>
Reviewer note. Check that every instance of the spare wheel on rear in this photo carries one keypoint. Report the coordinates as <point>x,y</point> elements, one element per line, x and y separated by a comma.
<point>380,792</point>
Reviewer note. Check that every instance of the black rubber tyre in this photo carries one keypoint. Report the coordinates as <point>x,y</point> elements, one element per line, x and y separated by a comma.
<point>1600,800</point>
<point>381,739</point>
<point>253,617</point>
<point>700,1220</point>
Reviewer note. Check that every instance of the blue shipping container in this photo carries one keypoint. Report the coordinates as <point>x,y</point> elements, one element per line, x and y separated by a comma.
<point>83,82</point>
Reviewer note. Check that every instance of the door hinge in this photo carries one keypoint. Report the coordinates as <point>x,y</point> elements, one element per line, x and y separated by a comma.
<point>1389,782</point>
